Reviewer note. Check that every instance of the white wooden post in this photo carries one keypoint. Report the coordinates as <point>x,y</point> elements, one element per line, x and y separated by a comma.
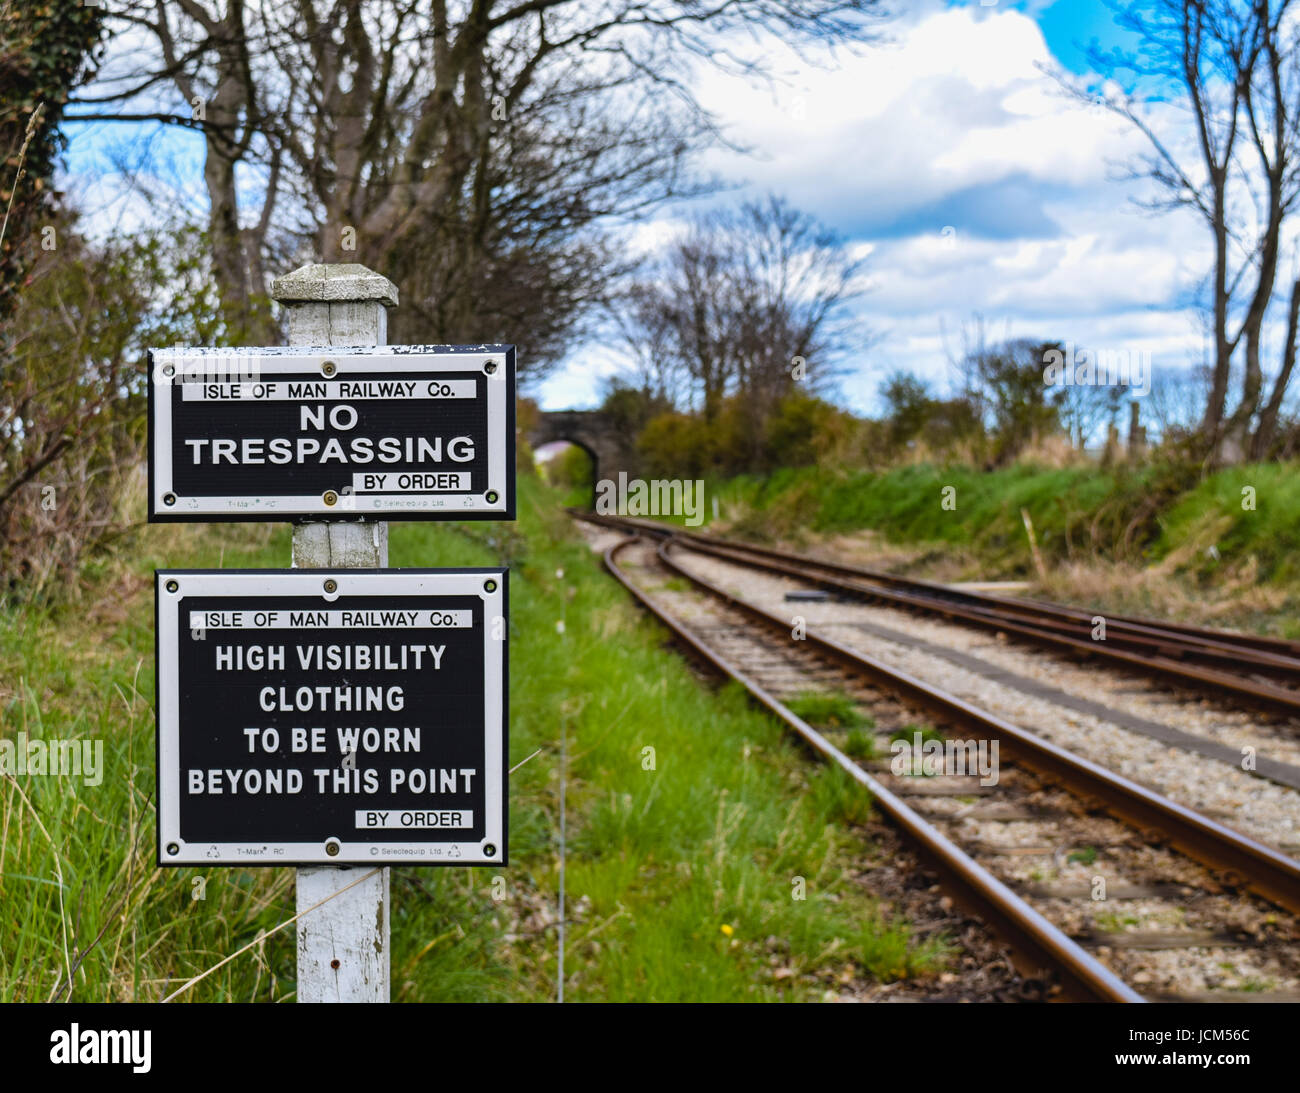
<point>342,946</point>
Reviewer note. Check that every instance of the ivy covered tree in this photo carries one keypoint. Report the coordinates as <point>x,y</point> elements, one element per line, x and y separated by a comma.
<point>46,50</point>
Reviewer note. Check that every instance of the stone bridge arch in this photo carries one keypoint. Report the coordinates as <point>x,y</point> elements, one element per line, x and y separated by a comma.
<point>592,431</point>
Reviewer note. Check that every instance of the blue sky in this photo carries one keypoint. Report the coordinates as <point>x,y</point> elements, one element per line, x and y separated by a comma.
<point>944,155</point>
<point>973,186</point>
<point>1070,26</point>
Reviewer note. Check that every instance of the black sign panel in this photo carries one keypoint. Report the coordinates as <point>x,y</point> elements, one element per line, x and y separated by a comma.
<point>386,432</point>
<point>315,716</point>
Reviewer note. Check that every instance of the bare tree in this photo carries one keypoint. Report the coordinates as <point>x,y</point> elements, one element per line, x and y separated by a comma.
<point>646,329</point>
<point>207,53</point>
<point>793,278</point>
<point>1237,66</point>
<point>751,303</point>
<point>1177,399</point>
<point>1082,407</point>
<point>471,149</point>
<point>695,301</point>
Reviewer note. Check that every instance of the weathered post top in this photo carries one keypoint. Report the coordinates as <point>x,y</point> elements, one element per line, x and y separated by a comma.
<point>344,304</point>
<point>319,283</point>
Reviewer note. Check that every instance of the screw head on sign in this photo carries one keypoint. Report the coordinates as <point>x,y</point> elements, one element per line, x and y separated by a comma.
<point>173,849</point>
<point>331,585</point>
<point>332,848</point>
<point>490,850</point>
<point>490,367</point>
<point>490,586</point>
<point>173,586</point>
<point>169,499</point>
<point>492,496</point>
<point>330,498</point>
<point>329,368</point>
<point>169,370</point>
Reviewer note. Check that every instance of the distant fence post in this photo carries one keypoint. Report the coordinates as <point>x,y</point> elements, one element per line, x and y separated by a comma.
<point>1137,434</point>
<point>343,946</point>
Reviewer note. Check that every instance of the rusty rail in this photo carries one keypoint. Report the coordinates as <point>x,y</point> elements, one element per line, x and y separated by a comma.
<point>1238,858</point>
<point>1037,945</point>
<point>970,608</point>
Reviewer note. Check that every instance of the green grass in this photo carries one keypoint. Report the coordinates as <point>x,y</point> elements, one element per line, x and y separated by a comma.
<point>929,504</point>
<point>1147,513</point>
<point>1115,922</point>
<point>860,745</point>
<point>907,734</point>
<point>723,824</point>
<point>1212,514</point>
<point>834,712</point>
<point>824,710</point>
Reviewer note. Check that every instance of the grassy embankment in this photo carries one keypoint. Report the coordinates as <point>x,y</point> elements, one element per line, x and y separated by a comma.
<point>1136,540</point>
<point>679,879</point>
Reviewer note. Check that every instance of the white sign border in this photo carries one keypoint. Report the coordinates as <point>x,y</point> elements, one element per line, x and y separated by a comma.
<point>309,583</point>
<point>348,360</point>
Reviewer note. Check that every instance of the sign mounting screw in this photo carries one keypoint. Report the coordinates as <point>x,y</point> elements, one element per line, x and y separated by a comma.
<point>490,586</point>
<point>169,499</point>
<point>492,496</point>
<point>172,586</point>
<point>169,370</point>
<point>490,850</point>
<point>173,849</point>
<point>331,585</point>
<point>330,498</point>
<point>332,847</point>
<point>329,368</point>
<point>490,367</point>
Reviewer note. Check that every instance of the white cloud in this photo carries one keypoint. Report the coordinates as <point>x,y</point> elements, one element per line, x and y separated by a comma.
<point>977,185</point>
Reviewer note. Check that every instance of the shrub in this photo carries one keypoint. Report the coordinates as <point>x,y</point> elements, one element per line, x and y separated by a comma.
<point>73,394</point>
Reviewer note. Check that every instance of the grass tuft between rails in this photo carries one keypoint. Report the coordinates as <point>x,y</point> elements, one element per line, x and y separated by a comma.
<point>707,858</point>
<point>827,710</point>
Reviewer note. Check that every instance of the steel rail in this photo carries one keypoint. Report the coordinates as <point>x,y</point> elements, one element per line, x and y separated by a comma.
<point>1256,691</point>
<point>1278,653</point>
<point>1215,646</point>
<point>1239,859</point>
<point>1037,944</point>
<point>1261,691</point>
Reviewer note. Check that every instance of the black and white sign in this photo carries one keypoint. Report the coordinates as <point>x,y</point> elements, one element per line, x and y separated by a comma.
<point>320,716</point>
<point>386,432</point>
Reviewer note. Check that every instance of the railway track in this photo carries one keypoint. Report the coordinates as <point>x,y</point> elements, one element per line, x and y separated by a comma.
<point>1261,671</point>
<point>1155,733</point>
<point>1054,854</point>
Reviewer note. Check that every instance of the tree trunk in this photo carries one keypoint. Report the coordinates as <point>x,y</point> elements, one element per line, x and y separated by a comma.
<point>1265,432</point>
<point>229,266</point>
<point>1212,422</point>
<point>230,117</point>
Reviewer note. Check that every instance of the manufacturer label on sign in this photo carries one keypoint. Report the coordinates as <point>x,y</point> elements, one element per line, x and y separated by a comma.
<point>391,432</point>
<point>315,716</point>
